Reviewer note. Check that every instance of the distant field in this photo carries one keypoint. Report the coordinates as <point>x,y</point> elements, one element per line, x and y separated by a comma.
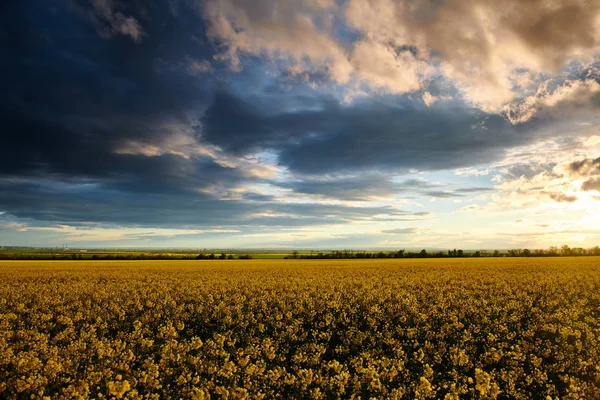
<point>508,328</point>
<point>47,254</point>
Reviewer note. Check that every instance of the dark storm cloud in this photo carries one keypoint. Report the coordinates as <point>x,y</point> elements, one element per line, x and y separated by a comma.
<point>83,82</point>
<point>235,125</point>
<point>70,97</point>
<point>242,125</point>
<point>91,203</point>
<point>390,133</point>
<point>367,186</point>
<point>38,149</point>
<point>74,99</point>
<point>355,188</point>
<point>402,139</point>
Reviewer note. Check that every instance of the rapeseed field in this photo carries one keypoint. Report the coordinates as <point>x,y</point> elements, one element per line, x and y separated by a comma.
<point>384,329</point>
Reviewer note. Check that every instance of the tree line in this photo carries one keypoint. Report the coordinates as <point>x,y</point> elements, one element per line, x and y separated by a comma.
<point>122,256</point>
<point>553,251</point>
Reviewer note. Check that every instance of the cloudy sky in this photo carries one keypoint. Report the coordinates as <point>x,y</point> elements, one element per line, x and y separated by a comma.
<point>300,123</point>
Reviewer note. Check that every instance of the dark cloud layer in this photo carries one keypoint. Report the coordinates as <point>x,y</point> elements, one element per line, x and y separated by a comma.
<point>391,133</point>
<point>361,187</point>
<point>370,186</point>
<point>71,203</point>
<point>72,98</point>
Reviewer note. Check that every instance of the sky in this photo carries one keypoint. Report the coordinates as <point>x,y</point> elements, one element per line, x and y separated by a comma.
<point>351,124</point>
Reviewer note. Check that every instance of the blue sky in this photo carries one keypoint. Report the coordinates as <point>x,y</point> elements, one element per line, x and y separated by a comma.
<point>300,124</point>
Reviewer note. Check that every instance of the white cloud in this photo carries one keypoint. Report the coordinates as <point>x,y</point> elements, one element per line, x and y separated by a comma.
<point>472,172</point>
<point>180,140</point>
<point>279,30</point>
<point>382,66</point>
<point>592,141</point>
<point>494,52</point>
<point>574,94</point>
<point>430,99</point>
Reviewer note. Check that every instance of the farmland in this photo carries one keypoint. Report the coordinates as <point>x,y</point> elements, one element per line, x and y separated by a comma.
<point>505,328</point>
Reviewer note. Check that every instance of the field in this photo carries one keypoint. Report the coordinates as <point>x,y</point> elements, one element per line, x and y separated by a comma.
<point>518,328</point>
<point>34,254</point>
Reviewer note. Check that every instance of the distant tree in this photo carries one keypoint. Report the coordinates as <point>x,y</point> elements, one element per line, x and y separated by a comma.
<point>460,253</point>
<point>538,253</point>
<point>423,253</point>
<point>496,253</point>
<point>222,256</point>
<point>526,253</point>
